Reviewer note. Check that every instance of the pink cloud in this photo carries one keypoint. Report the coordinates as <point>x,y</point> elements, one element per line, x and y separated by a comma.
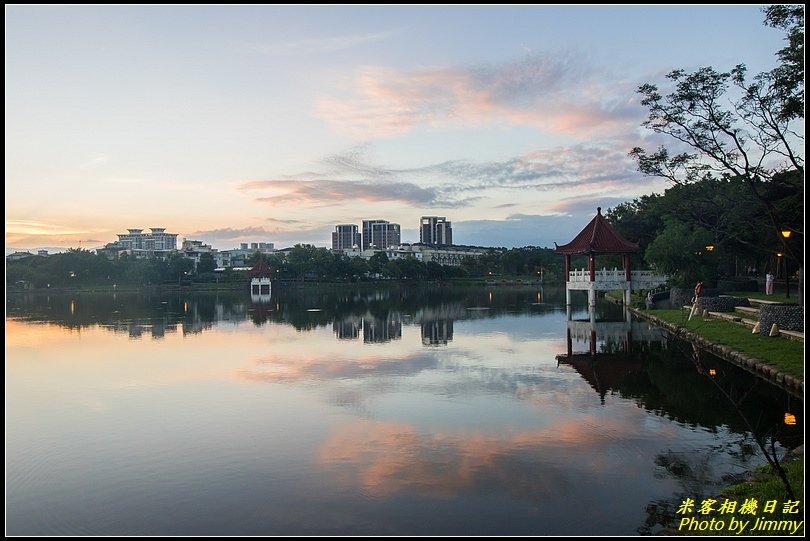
<point>559,94</point>
<point>318,193</point>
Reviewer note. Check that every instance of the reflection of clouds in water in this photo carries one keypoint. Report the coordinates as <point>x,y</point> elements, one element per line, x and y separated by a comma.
<point>385,458</point>
<point>276,368</point>
<point>471,370</point>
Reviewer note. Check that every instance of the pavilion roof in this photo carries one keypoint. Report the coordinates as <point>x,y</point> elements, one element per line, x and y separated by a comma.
<point>604,372</point>
<point>598,237</point>
<point>261,270</point>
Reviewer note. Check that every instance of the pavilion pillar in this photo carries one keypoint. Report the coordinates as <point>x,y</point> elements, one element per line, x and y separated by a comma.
<point>569,342</point>
<point>592,284</point>
<point>567,279</point>
<point>627,275</point>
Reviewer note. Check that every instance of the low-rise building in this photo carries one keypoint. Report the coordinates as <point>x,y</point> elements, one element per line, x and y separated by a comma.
<point>18,255</point>
<point>443,255</point>
<point>194,249</point>
<point>239,257</point>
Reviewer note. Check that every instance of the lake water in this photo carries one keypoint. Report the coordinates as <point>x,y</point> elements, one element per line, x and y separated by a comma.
<point>362,411</point>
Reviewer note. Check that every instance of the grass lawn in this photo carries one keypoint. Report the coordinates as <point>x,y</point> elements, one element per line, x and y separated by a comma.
<point>786,355</point>
<point>763,486</point>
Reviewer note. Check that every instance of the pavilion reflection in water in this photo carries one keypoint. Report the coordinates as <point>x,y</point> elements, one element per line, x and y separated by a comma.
<point>616,349</point>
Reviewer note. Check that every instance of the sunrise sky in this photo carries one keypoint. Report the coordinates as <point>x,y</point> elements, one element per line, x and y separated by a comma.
<point>264,123</point>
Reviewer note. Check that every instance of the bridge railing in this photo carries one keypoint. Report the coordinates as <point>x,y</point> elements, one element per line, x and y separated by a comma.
<point>646,279</point>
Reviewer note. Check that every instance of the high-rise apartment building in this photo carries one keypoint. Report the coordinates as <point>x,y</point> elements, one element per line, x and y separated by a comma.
<point>435,230</point>
<point>380,234</point>
<point>345,237</point>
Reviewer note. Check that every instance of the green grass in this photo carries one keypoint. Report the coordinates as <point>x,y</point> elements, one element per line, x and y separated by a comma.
<point>781,353</point>
<point>763,486</point>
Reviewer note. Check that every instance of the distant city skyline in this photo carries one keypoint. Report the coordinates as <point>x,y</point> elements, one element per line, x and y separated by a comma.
<point>231,124</point>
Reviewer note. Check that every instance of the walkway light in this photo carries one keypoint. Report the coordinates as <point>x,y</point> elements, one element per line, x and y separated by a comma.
<point>790,419</point>
<point>786,235</point>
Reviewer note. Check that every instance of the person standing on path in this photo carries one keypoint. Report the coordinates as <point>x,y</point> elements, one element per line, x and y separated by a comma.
<point>769,283</point>
<point>698,291</point>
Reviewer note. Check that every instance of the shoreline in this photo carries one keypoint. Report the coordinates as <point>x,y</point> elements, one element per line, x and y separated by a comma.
<point>749,363</point>
<point>236,286</point>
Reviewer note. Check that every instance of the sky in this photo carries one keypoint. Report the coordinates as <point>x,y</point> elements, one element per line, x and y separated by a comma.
<point>275,123</point>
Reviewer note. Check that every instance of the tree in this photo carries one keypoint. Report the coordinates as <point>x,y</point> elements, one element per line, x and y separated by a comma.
<point>378,263</point>
<point>734,128</point>
<point>788,77</point>
<point>679,252</point>
<point>206,264</point>
<point>179,266</point>
<point>639,220</point>
<point>254,258</point>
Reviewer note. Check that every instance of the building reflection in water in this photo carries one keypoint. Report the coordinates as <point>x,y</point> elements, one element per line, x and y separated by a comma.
<point>377,315</point>
<point>377,330</point>
<point>260,298</point>
<point>437,332</point>
<point>347,329</point>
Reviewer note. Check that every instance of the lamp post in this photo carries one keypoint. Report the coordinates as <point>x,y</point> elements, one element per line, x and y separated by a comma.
<point>786,236</point>
<point>710,249</point>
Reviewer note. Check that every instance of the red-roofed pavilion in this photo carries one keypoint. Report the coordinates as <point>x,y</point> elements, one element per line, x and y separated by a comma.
<point>599,237</point>
<point>260,281</point>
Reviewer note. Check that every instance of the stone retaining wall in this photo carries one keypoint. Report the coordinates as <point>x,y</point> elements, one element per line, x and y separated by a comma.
<point>786,381</point>
<point>788,317</point>
<point>721,304</point>
<point>680,296</point>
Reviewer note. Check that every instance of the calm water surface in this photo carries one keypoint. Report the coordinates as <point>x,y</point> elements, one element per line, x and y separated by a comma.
<point>361,411</point>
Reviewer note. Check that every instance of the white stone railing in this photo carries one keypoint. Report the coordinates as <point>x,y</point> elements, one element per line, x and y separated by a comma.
<point>641,330</point>
<point>582,275</point>
<point>640,279</point>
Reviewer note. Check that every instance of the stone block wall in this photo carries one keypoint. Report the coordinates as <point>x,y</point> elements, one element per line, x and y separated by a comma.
<point>788,317</point>
<point>721,304</point>
<point>681,296</point>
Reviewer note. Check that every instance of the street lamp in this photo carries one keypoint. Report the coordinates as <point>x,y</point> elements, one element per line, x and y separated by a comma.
<point>710,247</point>
<point>786,236</point>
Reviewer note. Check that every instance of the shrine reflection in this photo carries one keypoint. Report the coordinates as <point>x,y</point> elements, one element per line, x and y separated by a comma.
<point>616,345</point>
